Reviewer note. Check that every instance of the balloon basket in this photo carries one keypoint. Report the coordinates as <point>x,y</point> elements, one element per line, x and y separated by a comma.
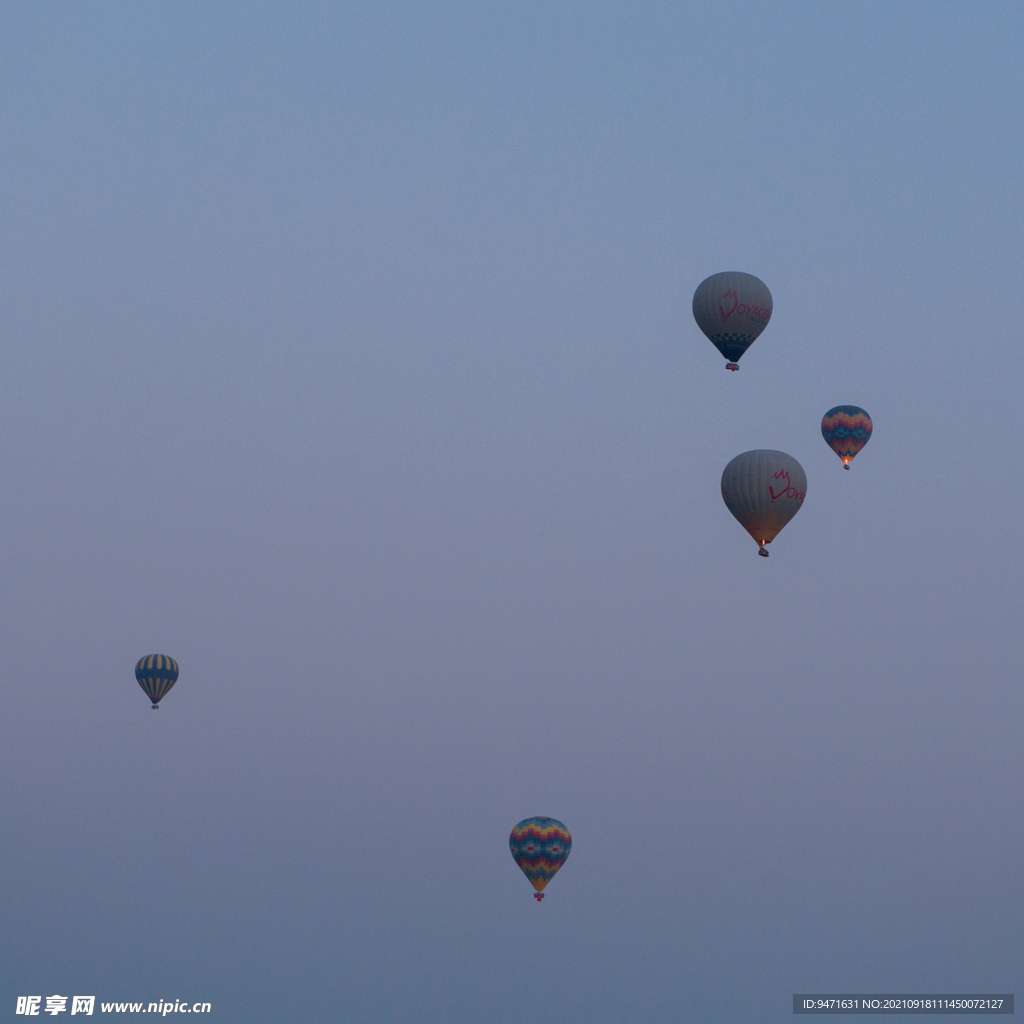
<point>763,552</point>
<point>732,366</point>
<point>538,896</point>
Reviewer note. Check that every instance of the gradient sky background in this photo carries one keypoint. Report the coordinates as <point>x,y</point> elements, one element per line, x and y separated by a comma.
<point>347,357</point>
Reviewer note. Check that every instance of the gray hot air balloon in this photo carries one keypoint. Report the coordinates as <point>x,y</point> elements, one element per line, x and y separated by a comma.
<point>764,489</point>
<point>732,309</point>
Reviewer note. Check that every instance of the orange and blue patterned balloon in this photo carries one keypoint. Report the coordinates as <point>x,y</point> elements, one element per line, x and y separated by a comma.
<point>846,429</point>
<point>156,674</point>
<point>540,847</point>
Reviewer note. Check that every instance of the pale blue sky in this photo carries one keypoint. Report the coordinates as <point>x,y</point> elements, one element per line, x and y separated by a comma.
<point>347,357</point>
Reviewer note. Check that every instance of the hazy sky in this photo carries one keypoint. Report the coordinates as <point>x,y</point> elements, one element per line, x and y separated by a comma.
<point>347,357</point>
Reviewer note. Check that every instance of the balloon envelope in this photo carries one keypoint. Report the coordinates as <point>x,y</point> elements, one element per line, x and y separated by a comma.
<point>846,429</point>
<point>156,674</point>
<point>764,489</point>
<point>732,309</point>
<point>540,847</point>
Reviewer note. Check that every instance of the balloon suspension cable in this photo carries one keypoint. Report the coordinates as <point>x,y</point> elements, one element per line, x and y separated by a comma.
<point>732,366</point>
<point>762,551</point>
<point>538,896</point>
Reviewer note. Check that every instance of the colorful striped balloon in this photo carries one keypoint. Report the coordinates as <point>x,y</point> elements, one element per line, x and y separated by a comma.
<point>156,674</point>
<point>540,847</point>
<point>846,429</point>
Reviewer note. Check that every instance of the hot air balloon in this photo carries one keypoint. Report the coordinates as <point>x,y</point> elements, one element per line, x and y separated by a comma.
<point>764,490</point>
<point>156,674</point>
<point>846,429</point>
<point>732,309</point>
<point>540,847</point>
